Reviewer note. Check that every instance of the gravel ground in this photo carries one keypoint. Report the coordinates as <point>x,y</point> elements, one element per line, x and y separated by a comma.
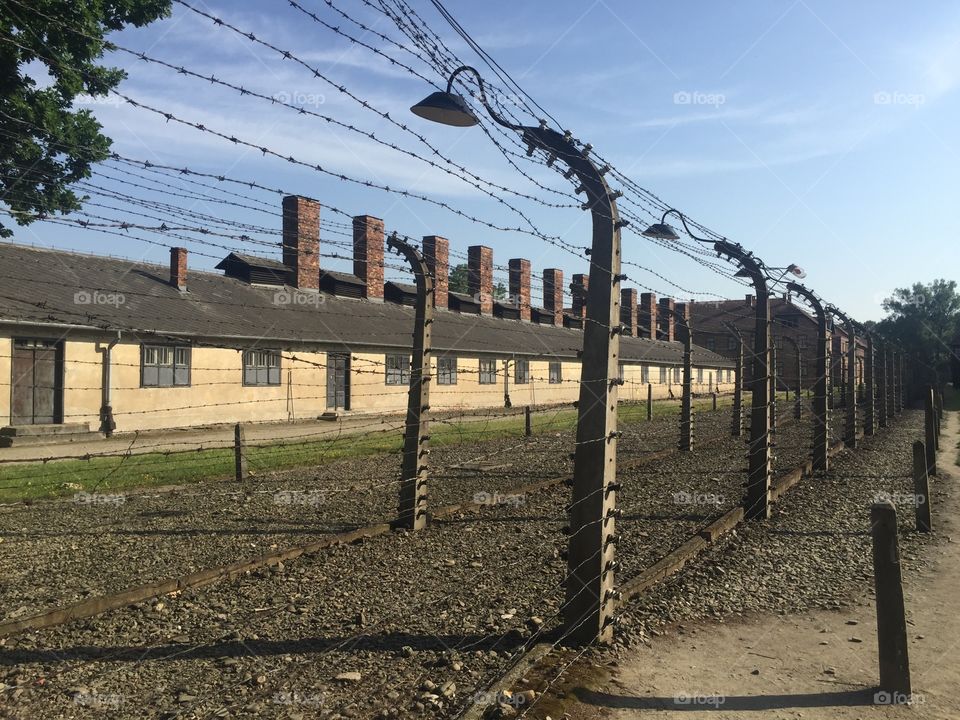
<point>404,625</point>
<point>813,553</point>
<point>57,552</point>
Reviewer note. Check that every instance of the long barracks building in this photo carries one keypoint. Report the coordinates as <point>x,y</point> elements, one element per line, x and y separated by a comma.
<point>268,340</point>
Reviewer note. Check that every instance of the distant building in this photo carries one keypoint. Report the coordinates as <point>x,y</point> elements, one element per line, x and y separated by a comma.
<point>789,321</point>
<point>277,340</point>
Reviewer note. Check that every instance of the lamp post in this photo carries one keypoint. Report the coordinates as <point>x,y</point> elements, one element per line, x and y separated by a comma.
<point>757,502</point>
<point>588,611</point>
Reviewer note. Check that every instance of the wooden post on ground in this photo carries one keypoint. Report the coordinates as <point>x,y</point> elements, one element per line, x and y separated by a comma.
<point>649,401</point>
<point>714,400</point>
<point>921,487</point>
<point>891,619</point>
<point>930,432</point>
<point>527,422</point>
<point>239,453</point>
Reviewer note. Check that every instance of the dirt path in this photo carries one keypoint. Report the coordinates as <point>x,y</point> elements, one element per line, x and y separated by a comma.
<point>820,665</point>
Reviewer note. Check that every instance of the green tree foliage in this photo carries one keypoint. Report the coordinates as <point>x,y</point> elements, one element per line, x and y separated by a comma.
<point>45,64</point>
<point>459,282</point>
<point>924,319</point>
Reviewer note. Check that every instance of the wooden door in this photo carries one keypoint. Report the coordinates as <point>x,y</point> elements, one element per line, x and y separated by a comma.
<point>36,383</point>
<point>338,381</point>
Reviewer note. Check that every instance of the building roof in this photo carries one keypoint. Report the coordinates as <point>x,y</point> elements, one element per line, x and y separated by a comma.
<point>87,292</point>
<point>253,260</point>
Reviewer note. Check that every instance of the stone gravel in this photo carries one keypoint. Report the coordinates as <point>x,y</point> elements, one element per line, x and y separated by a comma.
<point>405,624</point>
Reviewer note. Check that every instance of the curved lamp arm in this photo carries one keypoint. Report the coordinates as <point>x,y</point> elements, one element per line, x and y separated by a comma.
<point>683,220</point>
<point>483,95</point>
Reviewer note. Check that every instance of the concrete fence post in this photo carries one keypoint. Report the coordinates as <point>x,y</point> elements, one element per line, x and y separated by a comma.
<point>686,402</point>
<point>899,382</point>
<point>884,400</point>
<point>527,422</point>
<point>590,597</point>
<point>921,486</point>
<point>737,417</point>
<point>891,618</point>
<point>759,453</point>
<point>412,506</point>
<point>822,390</point>
<point>773,386</point>
<point>891,383</point>
<point>874,383</point>
<point>239,452</point>
<point>930,432</point>
<point>937,415</point>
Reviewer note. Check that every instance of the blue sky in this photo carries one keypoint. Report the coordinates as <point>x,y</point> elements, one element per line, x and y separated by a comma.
<point>813,132</point>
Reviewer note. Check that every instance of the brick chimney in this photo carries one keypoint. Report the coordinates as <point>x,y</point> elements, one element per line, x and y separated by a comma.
<point>666,320</point>
<point>628,310</point>
<point>579,288</point>
<point>647,316</point>
<point>178,268</point>
<point>301,241</point>
<point>480,276</point>
<point>520,286</point>
<point>368,254</point>
<point>683,310</point>
<point>553,295</point>
<point>436,253</point>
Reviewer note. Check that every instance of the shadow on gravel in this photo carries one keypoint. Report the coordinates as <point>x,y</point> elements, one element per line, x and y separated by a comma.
<point>386,642</point>
<point>843,698</point>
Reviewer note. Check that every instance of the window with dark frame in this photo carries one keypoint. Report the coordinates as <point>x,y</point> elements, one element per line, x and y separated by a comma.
<point>677,375</point>
<point>261,367</point>
<point>397,370</point>
<point>488,371</point>
<point>447,370</point>
<point>521,372</point>
<point>663,375</point>
<point>711,343</point>
<point>732,343</point>
<point>645,373</point>
<point>164,366</point>
<point>556,372</point>
<point>700,375</point>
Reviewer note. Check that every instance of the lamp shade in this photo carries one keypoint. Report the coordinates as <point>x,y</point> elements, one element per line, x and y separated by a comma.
<point>445,108</point>
<point>661,231</point>
<point>797,270</point>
